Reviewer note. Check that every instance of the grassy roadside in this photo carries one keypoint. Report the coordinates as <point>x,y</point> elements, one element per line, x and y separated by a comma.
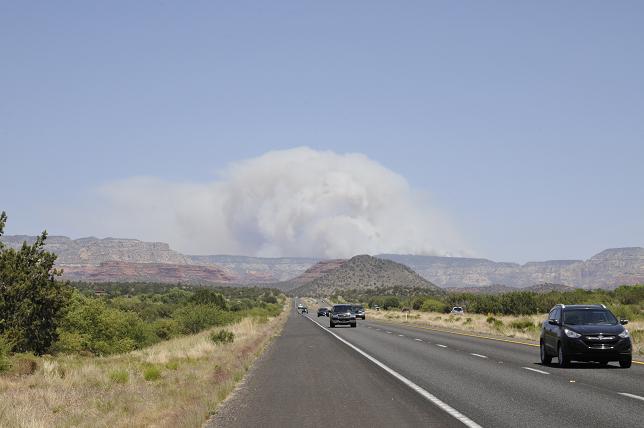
<point>522,328</point>
<point>177,383</point>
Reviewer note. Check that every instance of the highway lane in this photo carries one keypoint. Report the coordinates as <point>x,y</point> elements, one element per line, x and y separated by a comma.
<point>502,384</point>
<point>309,378</point>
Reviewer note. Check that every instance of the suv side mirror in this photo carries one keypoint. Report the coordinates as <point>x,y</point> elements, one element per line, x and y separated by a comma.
<point>623,322</point>
<point>553,322</point>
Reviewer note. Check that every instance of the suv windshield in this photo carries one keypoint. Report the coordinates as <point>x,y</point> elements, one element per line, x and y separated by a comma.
<point>588,317</point>
<point>341,309</point>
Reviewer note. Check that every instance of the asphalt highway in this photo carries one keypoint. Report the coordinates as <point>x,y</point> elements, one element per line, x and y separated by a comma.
<point>382,374</point>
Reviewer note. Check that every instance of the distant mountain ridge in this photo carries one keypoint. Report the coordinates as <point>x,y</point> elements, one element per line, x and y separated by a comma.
<point>607,269</point>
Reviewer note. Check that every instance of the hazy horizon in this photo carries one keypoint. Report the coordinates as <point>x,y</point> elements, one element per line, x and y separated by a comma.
<point>511,132</point>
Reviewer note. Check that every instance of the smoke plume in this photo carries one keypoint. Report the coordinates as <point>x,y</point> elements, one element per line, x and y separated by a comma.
<point>296,202</point>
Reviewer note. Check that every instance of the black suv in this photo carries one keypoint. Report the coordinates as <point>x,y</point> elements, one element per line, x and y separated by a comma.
<point>584,333</point>
<point>323,312</point>
<point>342,314</point>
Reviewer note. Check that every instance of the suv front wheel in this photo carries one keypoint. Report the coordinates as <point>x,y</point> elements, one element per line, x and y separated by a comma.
<point>545,358</point>
<point>563,360</point>
<point>626,362</point>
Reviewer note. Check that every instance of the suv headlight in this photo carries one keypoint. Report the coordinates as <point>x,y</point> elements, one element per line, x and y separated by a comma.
<point>572,334</point>
<point>624,334</point>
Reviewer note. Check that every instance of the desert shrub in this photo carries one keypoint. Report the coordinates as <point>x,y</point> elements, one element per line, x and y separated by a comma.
<point>172,365</point>
<point>205,296</point>
<point>391,302</point>
<point>417,302</point>
<point>119,376</point>
<point>433,305</point>
<point>24,364</point>
<point>90,325</point>
<point>522,324</point>
<point>494,322</point>
<point>222,336</point>
<point>269,299</point>
<point>264,311</point>
<point>467,321</point>
<point>519,303</point>
<point>195,318</point>
<point>165,328</point>
<point>5,349</point>
<point>151,373</point>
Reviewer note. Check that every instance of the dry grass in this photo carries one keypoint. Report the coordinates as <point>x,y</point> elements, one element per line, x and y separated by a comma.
<point>187,378</point>
<point>497,325</point>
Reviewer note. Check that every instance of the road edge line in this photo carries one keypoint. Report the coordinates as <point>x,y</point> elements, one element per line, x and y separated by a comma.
<point>421,391</point>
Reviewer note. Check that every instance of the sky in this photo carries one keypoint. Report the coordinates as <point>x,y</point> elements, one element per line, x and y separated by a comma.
<point>507,130</point>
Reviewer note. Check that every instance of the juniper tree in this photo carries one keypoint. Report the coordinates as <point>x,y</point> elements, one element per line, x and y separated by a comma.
<point>31,300</point>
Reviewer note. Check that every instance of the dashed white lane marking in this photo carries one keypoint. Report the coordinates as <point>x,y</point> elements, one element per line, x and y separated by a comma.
<point>377,329</point>
<point>401,335</point>
<point>388,332</point>
<point>535,370</point>
<point>442,346</point>
<point>626,394</point>
<point>424,393</point>
<point>478,355</point>
<point>418,340</point>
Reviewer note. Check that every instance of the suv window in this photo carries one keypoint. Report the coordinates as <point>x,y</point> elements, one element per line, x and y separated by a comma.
<point>552,315</point>
<point>342,308</point>
<point>589,317</point>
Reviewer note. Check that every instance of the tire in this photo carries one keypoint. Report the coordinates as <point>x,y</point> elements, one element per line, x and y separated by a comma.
<point>564,361</point>
<point>353,325</point>
<point>603,363</point>
<point>545,358</point>
<point>331,325</point>
<point>626,362</point>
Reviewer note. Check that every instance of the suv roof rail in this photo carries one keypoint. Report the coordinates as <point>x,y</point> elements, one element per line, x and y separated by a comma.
<point>603,306</point>
<point>562,305</point>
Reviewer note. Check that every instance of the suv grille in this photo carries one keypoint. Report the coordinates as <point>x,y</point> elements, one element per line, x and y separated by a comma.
<point>599,341</point>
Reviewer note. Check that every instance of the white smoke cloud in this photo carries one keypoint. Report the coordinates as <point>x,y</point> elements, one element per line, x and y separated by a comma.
<point>297,202</point>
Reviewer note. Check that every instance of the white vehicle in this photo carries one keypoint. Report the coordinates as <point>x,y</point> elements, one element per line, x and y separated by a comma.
<point>457,310</point>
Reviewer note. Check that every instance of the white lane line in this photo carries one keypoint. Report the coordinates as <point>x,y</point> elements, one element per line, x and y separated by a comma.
<point>377,329</point>
<point>442,346</point>
<point>388,332</point>
<point>479,355</point>
<point>626,394</point>
<point>535,370</point>
<point>401,335</point>
<point>418,340</point>
<point>424,393</point>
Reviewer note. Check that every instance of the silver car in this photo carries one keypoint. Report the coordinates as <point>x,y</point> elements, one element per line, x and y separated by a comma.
<point>457,310</point>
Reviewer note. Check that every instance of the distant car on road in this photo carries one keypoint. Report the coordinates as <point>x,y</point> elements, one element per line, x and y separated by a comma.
<point>323,312</point>
<point>457,310</point>
<point>359,311</point>
<point>376,307</point>
<point>584,333</point>
<point>342,315</point>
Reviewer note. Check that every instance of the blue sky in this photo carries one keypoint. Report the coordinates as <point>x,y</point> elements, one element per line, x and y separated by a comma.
<point>522,122</point>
